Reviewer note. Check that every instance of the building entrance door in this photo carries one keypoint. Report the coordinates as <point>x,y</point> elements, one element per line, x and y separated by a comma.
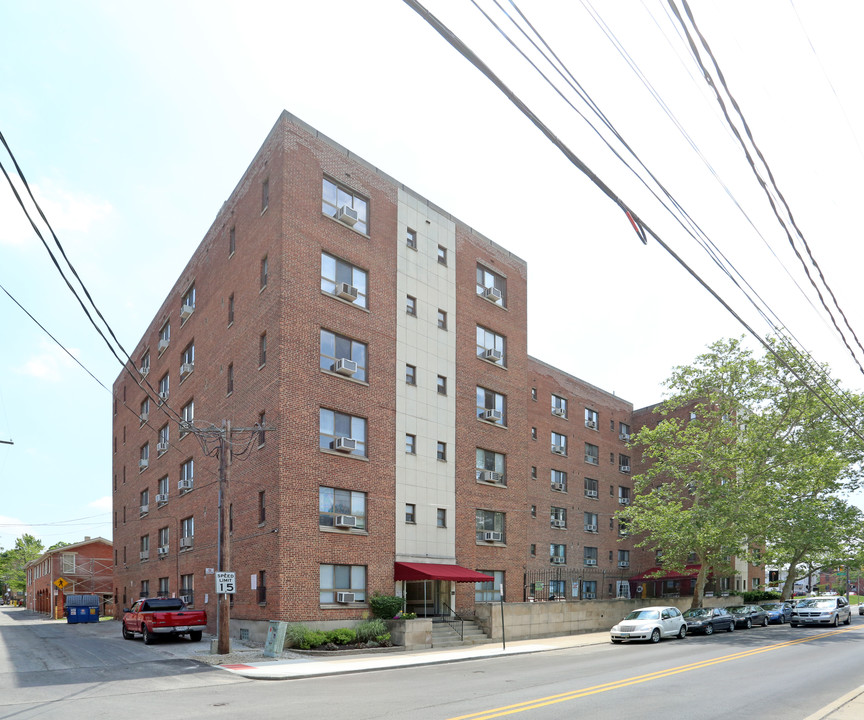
<point>427,598</point>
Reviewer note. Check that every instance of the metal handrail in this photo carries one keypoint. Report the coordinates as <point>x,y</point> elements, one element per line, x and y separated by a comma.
<point>455,622</point>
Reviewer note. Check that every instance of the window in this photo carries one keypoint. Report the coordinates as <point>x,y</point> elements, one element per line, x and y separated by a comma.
<point>232,241</point>
<point>336,197</point>
<point>262,424</point>
<point>491,406</point>
<point>334,505</point>
<point>558,517</point>
<point>164,385</point>
<point>345,433</point>
<point>534,394</point>
<point>187,475</point>
<point>442,255</point>
<point>262,587</point>
<point>162,490</point>
<point>532,550</point>
<point>262,507</point>
<point>230,309</point>
<point>533,433</point>
<point>187,360</point>
<point>410,444</point>
<point>187,305</point>
<point>624,463</point>
<point>623,495</point>
<point>411,238</point>
<point>559,443</point>
<point>262,350</point>
<point>144,548</point>
<point>441,518</point>
<point>491,466</point>
<point>410,374</point>
<point>592,454</point>
<point>164,588</point>
<point>410,513</point>
<point>589,589</point>
<point>591,419</point>
<point>145,411</point>
<point>411,305</point>
<point>442,451</point>
<point>144,456</point>
<point>229,379</point>
<point>265,194</point>
<point>187,589</point>
<point>145,363</point>
<point>188,413</point>
<point>490,590</point>
<point>559,406</point>
<point>491,346</point>
<point>557,551</point>
<point>230,517</point>
<point>590,555</point>
<point>490,526</point>
<point>164,440</point>
<point>491,285</point>
<point>264,272</point>
<point>164,539</point>
<point>622,528</point>
<point>624,558</point>
<point>591,488</point>
<point>559,480</point>
<point>187,533</point>
<point>343,280</point>
<point>342,578</point>
<point>144,500</point>
<point>343,355</point>
<point>624,431</point>
<point>442,319</point>
<point>590,522</point>
<point>442,385</point>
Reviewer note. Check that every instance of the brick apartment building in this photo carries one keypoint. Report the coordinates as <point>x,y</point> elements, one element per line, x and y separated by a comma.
<point>423,446</point>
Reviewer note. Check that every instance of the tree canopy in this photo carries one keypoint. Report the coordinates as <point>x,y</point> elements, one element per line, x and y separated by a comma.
<point>12,561</point>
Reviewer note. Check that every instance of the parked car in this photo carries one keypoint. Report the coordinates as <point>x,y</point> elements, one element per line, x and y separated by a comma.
<point>861,608</point>
<point>779,612</point>
<point>707,620</point>
<point>821,611</point>
<point>747,616</point>
<point>650,623</point>
<point>152,617</point>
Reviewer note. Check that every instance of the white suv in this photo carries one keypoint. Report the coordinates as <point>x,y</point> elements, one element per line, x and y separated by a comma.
<point>821,611</point>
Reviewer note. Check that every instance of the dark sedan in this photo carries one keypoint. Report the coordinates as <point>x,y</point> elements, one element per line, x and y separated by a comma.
<point>707,620</point>
<point>778,612</point>
<point>747,616</point>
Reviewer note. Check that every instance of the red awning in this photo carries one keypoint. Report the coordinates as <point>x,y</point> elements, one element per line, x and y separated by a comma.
<point>657,573</point>
<point>434,571</point>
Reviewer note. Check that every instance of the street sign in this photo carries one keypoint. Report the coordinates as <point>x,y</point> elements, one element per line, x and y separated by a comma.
<point>61,582</point>
<point>226,583</point>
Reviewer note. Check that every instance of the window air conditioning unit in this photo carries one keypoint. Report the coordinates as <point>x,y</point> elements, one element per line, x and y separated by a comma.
<point>559,450</point>
<point>186,311</point>
<point>490,536</point>
<point>162,447</point>
<point>344,366</point>
<point>591,459</point>
<point>163,550</point>
<point>345,521</point>
<point>590,596</point>
<point>623,563</point>
<point>493,294</point>
<point>346,291</point>
<point>144,417</point>
<point>344,597</point>
<point>557,560</point>
<point>625,437</point>
<point>163,396</point>
<point>344,444</point>
<point>559,411</point>
<point>143,463</point>
<point>187,542</point>
<point>493,355</point>
<point>144,509</point>
<point>144,371</point>
<point>493,416</point>
<point>590,493</point>
<point>186,599</point>
<point>590,561</point>
<point>591,528</point>
<point>347,215</point>
<point>144,555</point>
<point>491,476</point>
<point>162,498</point>
<point>558,486</point>
<point>163,343</point>
<point>186,368</point>
<point>624,500</point>
<point>591,424</point>
<point>184,484</point>
<point>559,523</point>
<point>625,468</point>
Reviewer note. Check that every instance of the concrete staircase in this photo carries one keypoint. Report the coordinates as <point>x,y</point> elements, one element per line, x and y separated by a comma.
<point>443,636</point>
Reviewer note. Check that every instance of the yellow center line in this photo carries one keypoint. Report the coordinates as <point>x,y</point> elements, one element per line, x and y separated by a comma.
<point>595,689</point>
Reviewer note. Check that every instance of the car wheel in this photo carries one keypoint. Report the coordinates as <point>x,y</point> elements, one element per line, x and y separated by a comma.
<point>709,629</point>
<point>791,624</point>
<point>195,636</point>
<point>682,633</point>
<point>765,622</point>
<point>848,620</point>
<point>748,624</point>
<point>836,621</point>
<point>655,635</point>
<point>126,634</point>
<point>731,627</point>
<point>148,636</point>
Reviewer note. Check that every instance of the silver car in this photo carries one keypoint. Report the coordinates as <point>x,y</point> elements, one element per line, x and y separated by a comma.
<point>650,623</point>
<point>821,611</point>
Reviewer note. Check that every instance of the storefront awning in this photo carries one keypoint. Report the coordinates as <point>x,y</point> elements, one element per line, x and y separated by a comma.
<point>433,571</point>
<point>658,573</point>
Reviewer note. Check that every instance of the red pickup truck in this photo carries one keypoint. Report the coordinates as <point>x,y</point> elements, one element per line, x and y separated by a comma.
<point>150,617</point>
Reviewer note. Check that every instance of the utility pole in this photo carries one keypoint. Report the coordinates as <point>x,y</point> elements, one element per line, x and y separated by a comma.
<point>223,619</point>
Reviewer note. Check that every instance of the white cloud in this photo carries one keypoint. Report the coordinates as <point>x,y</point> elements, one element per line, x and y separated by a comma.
<point>48,363</point>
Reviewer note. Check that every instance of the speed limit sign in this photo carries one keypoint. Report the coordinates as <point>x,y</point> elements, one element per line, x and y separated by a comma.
<point>226,583</point>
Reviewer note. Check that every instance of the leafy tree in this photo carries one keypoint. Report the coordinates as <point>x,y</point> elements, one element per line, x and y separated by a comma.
<point>59,544</point>
<point>12,561</point>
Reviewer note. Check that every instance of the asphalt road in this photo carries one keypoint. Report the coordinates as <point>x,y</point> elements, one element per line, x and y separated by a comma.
<point>88,671</point>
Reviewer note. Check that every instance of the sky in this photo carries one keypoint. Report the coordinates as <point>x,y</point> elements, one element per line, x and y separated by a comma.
<point>133,123</point>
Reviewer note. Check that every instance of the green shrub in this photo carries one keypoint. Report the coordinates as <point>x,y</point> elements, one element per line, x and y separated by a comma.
<point>313,639</point>
<point>370,630</point>
<point>385,606</point>
<point>302,637</point>
<point>341,636</point>
<point>756,596</point>
<point>294,634</point>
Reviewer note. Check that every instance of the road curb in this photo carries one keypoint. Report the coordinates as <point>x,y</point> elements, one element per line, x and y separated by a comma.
<point>839,703</point>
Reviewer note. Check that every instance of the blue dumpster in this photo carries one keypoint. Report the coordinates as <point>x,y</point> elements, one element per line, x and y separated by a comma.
<point>82,608</point>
